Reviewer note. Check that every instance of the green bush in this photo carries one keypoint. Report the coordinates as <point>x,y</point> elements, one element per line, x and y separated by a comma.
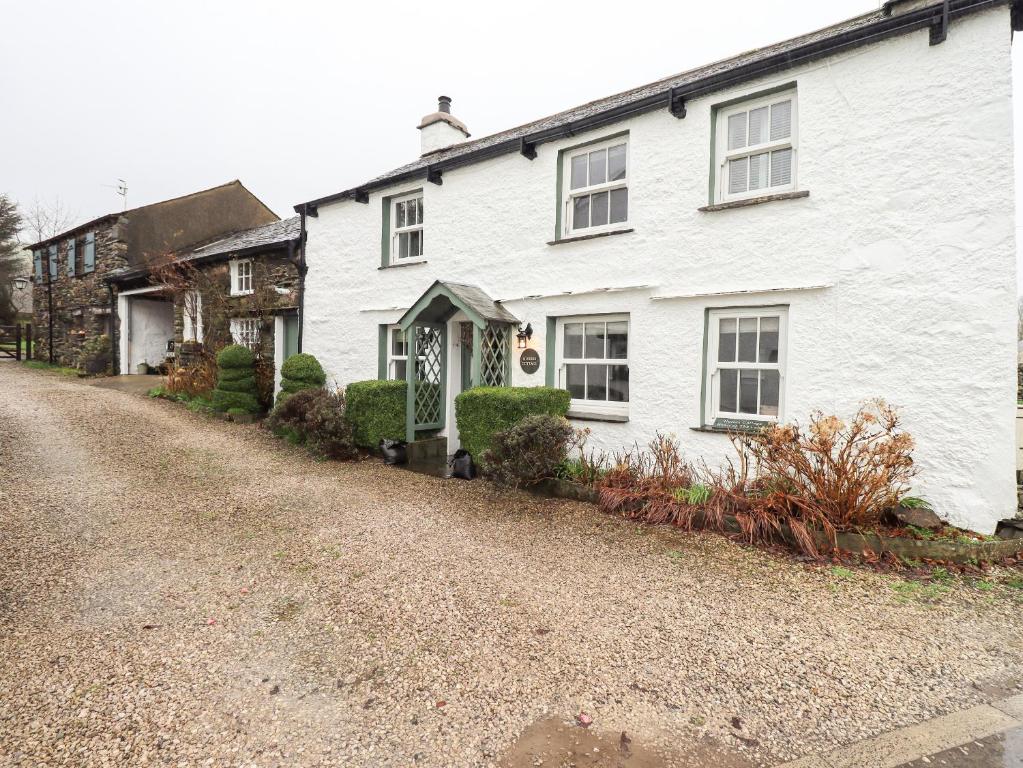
<point>225,401</point>
<point>316,418</point>
<point>239,385</point>
<point>376,410</point>
<point>236,380</point>
<point>235,356</point>
<point>300,372</point>
<point>482,412</point>
<point>532,450</point>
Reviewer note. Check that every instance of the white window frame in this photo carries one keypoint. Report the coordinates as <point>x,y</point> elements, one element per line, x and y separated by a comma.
<point>393,358</point>
<point>191,300</point>
<point>712,406</point>
<point>396,230</point>
<point>599,407</point>
<point>723,154</point>
<point>242,277</point>
<point>568,194</point>
<point>246,331</point>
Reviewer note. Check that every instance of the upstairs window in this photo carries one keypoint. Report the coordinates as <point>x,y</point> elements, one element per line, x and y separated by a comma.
<point>746,364</point>
<point>241,277</point>
<point>756,143</point>
<point>597,194</point>
<point>407,227</point>
<point>593,362</point>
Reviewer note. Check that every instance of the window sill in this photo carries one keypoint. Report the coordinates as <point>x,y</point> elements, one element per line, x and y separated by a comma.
<point>594,236</point>
<point>734,430</point>
<point>403,264</point>
<point>241,293</point>
<point>754,201</point>
<point>612,418</point>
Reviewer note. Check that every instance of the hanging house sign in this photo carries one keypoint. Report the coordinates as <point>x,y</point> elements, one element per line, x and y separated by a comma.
<point>529,361</point>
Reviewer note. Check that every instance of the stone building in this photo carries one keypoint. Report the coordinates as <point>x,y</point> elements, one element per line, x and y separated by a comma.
<point>243,288</point>
<point>75,297</point>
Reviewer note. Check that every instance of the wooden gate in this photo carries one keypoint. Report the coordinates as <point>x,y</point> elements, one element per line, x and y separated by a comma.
<point>16,342</point>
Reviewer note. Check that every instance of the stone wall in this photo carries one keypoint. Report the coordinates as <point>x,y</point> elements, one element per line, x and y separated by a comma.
<point>81,302</point>
<point>271,271</point>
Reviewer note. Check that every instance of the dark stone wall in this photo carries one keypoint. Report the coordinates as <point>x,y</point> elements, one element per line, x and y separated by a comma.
<point>81,303</point>
<point>271,271</point>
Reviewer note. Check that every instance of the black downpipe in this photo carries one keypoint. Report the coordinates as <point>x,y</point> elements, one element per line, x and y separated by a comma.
<point>302,269</point>
<point>49,303</point>
<point>114,331</point>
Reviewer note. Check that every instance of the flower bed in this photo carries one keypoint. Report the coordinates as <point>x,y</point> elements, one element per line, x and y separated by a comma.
<point>833,486</point>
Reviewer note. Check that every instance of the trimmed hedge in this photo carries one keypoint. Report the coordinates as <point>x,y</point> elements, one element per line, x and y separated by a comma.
<point>236,381</point>
<point>300,371</point>
<point>376,410</point>
<point>235,356</point>
<point>482,412</point>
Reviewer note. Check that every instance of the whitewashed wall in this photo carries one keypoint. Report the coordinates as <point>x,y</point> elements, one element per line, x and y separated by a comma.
<point>906,150</point>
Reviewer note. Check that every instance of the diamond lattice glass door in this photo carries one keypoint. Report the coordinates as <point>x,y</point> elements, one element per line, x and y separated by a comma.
<point>428,383</point>
<point>494,354</point>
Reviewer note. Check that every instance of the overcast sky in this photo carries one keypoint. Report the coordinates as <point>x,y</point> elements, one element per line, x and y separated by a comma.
<point>300,99</point>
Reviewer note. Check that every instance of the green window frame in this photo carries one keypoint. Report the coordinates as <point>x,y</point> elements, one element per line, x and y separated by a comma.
<point>386,232</point>
<point>560,228</point>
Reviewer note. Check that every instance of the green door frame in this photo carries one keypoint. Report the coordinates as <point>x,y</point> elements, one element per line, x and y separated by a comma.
<point>411,371</point>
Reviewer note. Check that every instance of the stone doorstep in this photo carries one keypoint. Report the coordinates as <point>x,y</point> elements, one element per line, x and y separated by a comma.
<point>927,738</point>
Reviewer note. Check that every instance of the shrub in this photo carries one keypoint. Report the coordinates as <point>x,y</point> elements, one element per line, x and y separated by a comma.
<point>376,411</point>
<point>832,476</point>
<point>236,383</point>
<point>785,483</point>
<point>198,379</point>
<point>529,451</point>
<point>316,418</point>
<point>300,372</point>
<point>235,356</point>
<point>329,432</point>
<point>482,412</point>
<point>290,415</point>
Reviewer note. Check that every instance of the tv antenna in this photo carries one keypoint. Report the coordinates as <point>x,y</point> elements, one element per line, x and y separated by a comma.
<point>122,190</point>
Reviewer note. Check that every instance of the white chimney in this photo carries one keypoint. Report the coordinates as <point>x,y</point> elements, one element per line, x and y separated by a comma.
<point>441,129</point>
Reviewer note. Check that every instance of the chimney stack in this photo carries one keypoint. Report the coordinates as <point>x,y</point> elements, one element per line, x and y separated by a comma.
<point>441,129</point>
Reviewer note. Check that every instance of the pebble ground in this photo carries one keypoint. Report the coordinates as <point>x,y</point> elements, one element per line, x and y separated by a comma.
<point>176,590</point>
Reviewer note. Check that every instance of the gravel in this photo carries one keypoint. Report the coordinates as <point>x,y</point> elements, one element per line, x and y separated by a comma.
<point>176,590</point>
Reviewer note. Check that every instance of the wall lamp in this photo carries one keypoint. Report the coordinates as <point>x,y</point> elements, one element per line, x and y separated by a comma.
<point>20,283</point>
<point>524,335</point>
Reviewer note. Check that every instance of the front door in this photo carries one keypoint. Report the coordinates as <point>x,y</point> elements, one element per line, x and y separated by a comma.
<point>426,374</point>
<point>290,335</point>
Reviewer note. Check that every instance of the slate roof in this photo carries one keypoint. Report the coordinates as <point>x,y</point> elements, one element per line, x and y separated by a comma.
<point>480,302</point>
<point>275,233</point>
<point>474,298</point>
<point>867,28</point>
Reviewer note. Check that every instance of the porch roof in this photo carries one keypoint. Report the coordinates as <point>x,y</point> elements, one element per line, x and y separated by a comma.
<point>442,299</point>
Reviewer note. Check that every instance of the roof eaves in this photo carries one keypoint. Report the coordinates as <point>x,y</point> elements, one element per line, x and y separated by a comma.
<point>875,27</point>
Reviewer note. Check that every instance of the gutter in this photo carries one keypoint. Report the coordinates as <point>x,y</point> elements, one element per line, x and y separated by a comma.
<point>302,269</point>
<point>890,26</point>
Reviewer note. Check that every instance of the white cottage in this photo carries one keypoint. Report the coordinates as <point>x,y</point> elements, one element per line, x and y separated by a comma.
<point>803,226</point>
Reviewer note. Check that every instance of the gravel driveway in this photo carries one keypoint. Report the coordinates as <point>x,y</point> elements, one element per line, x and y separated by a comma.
<point>175,590</point>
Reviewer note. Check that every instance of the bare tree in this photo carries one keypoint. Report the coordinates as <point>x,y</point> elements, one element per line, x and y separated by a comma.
<point>44,219</point>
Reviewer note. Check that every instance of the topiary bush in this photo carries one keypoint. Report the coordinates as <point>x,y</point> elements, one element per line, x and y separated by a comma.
<point>376,411</point>
<point>300,372</point>
<point>482,412</point>
<point>236,380</point>
<point>530,451</point>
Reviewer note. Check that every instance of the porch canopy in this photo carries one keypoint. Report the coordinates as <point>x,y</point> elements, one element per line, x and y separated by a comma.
<point>425,325</point>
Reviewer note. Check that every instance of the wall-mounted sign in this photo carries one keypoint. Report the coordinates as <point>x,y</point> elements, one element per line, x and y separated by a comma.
<point>529,361</point>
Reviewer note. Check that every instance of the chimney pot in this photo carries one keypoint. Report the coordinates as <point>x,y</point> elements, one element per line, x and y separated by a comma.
<point>441,129</point>
<point>444,104</point>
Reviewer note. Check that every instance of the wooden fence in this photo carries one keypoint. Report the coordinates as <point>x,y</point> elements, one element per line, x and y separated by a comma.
<point>16,341</point>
